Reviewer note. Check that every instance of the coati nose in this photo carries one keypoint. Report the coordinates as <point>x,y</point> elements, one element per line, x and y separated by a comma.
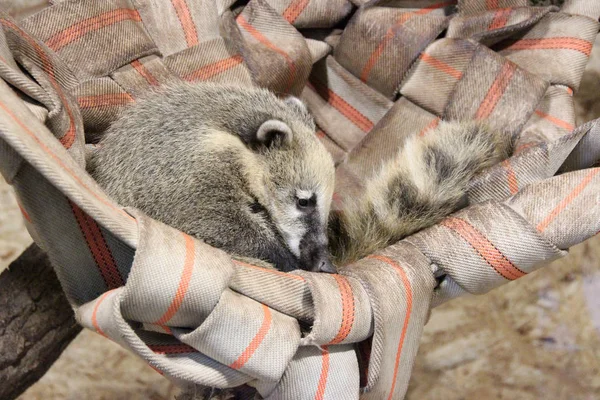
<point>327,267</point>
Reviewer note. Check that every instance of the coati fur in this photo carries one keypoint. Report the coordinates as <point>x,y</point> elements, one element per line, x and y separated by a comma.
<point>244,171</point>
<point>234,166</point>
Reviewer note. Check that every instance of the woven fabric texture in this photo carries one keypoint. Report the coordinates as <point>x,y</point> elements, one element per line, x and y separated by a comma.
<point>372,73</point>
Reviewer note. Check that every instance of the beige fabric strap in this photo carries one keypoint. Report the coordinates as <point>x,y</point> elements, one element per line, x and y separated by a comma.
<point>382,75</point>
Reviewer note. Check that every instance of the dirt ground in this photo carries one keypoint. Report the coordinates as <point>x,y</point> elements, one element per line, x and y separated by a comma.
<point>535,338</point>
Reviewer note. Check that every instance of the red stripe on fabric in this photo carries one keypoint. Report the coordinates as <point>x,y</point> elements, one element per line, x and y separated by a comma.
<point>441,66</point>
<point>82,28</point>
<point>256,341</point>
<point>525,146</point>
<point>68,138</point>
<point>511,178</point>
<point>408,289</point>
<point>322,385</point>
<point>500,19</point>
<point>391,32</point>
<point>156,369</point>
<point>59,161</point>
<point>432,125</point>
<point>104,100</point>
<point>347,309</point>
<point>270,271</point>
<point>320,133</point>
<point>24,213</point>
<point>172,348</point>
<point>166,329</point>
<point>337,102</point>
<point>486,249</point>
<point>144,72</point>
<point>293,11</point>
<point>216,68</point>
<point>97,244</point>
<point>567,200</point>
<point>496,91</point>
<point>184,281</point>
<point>556,121</point>
<point>570,91</point>
<point>557,43</point>
<point>491,4</point>
<point>185,20</point>
<point>95,313</point>
<point>263,39</point>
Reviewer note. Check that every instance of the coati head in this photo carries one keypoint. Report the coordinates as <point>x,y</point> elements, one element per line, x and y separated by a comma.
<point>237,167</point>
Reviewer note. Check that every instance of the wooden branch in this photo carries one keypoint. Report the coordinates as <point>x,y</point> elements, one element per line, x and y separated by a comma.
<point>36,322</point>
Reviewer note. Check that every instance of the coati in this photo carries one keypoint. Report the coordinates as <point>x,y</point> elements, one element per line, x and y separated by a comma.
<point>244,171</point>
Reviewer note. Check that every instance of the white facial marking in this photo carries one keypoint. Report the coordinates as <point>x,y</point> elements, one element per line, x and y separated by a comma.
<point>304,194</point>
<point>322,205</point>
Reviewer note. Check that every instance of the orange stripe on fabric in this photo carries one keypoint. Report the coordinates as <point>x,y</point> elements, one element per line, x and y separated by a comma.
<point>97,244</point>
<point>557,43</point>
<point>570,91</point>
<point>441,66</point>
<point>511,178</point>
<point>347,309</point>
<point>144,72</point>
<point>24,213</point>
<point>496,91</point>
<point>322,385</point>
<point>391,32</point>
<point>184,281</point>
<point>556,121</point>
<point>185,19</point>
<point>320,133</point>
<point>156,369</point>
<point>82,28</point>
<point>103,100</point>
<point>567,200</point>
<point>341,105</point>
<point>68,138</point>
<point>59,161</point>
<point>270,271</point>
<point>172,348</point>
<point>263,39</point>
<point>500,19</point>
<point>432,125</point>
<point>210,70</point>
<point>525,146</point>
<point>166,329</point>
<point>293,11</point>
<point>256,341</point>
<point>491,4</point>
<point>486,249</point>
<point>408,289</point>
<point>95,313</point>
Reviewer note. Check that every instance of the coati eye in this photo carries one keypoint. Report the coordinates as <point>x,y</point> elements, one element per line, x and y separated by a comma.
<point>303,203</point>
<point>305,199</point>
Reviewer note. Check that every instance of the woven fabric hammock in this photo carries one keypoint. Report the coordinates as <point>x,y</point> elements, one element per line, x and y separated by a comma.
<point>372,73</point>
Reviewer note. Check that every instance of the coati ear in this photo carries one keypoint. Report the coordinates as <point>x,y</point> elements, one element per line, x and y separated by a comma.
<point>274,132</point>
<point>295,102</point>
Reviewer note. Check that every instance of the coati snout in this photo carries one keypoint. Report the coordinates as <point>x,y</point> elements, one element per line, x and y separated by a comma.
<point>234,166</point>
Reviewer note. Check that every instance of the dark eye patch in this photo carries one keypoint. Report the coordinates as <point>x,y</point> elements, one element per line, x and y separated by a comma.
<point>307,203</point>
<point>303,202</point>
<point>257,208</point>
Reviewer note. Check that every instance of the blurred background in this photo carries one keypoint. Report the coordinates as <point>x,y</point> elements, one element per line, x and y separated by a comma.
<point>534,338</point>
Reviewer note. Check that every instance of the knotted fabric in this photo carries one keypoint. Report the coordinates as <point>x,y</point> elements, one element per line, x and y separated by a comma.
<point>372,74</point>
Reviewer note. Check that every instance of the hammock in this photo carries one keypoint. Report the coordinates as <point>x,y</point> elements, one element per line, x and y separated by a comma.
<point>372,73</point>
